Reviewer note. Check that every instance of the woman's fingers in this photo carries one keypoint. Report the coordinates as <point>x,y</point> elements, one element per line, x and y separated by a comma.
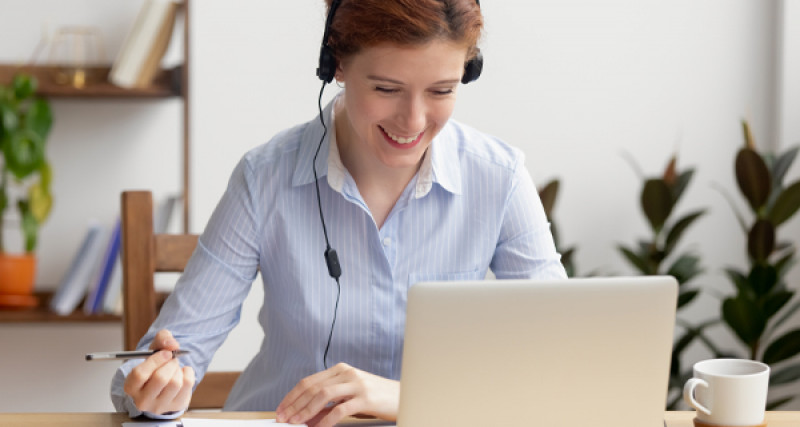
<point>164,341</point>
<point>339,412</point>
<point>159,384</point>
<point>303,386</point>
<point>142,373</point>
<point>318,399</point>
<point>329,396</point>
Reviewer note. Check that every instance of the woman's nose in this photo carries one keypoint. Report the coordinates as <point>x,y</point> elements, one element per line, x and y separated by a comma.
<point>412,114</point>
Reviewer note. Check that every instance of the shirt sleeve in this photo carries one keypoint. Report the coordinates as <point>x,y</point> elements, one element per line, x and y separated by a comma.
<point>206,302</point>
<point>525,248</point>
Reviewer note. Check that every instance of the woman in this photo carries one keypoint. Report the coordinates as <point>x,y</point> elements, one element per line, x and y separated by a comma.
<point>407,194</point>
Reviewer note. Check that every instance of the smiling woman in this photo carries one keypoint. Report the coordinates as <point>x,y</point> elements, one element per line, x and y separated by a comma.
<point>406,191</point>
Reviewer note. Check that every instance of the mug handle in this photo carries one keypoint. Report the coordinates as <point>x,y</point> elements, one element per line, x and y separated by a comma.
<point>688,394</point>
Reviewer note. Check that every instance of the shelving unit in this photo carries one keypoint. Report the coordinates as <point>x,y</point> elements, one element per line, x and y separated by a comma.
<point>167,83</point>
<point>42,315</point>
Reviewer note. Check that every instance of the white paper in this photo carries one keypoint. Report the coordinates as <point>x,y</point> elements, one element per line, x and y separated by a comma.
<point>165,423</point>
<point>216,422</point>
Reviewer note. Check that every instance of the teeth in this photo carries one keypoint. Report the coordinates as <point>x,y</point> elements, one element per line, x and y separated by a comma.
<point>400,139</point>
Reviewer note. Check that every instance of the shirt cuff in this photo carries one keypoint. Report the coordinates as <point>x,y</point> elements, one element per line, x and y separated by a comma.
<point>134,412</point>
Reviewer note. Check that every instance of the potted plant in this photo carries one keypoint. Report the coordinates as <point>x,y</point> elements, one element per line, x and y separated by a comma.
<point>548,195</point>
<point>25,175</point>
<point>763,300</point>
<point>657,255</point>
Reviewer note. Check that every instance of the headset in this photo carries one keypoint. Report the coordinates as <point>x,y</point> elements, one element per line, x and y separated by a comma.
<point>326,72</point>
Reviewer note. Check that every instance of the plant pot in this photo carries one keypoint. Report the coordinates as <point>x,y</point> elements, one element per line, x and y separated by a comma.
<point>17,277</point>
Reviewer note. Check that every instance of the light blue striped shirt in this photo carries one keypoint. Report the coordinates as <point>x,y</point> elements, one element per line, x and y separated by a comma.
<point>472,206</point>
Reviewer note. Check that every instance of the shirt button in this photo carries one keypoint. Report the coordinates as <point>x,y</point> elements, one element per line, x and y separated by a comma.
<point>387,241</point>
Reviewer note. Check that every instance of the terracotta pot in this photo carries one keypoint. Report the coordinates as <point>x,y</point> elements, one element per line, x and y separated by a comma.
<point>17,274</point>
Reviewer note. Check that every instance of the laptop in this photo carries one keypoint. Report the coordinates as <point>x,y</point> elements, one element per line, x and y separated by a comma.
<point>588,352</point>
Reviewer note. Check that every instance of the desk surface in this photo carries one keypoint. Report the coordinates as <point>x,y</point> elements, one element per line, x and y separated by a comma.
<point>673,419</point>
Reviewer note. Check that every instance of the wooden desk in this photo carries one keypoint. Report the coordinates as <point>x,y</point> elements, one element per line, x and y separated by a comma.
<point>673,419</point>
<point>97,419</point>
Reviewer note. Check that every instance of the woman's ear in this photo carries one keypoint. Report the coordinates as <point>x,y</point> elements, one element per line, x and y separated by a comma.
<point>339,75</point>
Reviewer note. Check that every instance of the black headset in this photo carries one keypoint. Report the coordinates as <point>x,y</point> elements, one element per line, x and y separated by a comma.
<point>327,60</point>
<point>326,71</point>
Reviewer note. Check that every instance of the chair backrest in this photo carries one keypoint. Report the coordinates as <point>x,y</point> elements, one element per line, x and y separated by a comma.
<point>143,254</point>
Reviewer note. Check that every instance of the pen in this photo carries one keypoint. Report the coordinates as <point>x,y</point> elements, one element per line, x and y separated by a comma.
<point>123,355</point>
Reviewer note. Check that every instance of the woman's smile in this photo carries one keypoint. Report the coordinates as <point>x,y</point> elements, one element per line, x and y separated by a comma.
<point>400,141</point>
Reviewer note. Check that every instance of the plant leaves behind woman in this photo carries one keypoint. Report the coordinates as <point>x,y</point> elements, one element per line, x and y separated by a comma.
<point>763,302</point>
<point>25,122</point>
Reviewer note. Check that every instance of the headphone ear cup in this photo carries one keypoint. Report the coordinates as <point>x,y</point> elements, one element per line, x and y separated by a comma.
<point>327,64</point>
<point>472,69</point>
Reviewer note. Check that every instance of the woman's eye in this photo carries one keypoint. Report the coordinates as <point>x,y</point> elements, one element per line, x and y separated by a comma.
<point>385,89</point>
<point>443,92</point>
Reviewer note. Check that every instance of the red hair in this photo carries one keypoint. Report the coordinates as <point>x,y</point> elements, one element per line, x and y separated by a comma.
<point>359,24</point>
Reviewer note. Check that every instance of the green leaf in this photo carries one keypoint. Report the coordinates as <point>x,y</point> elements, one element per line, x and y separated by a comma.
<point>30,228</point>
<point>656,202</point>
<point>687,297</point>
<point>3,198</point>
<point>761,240</point>
<point>740,281</point>
<point>786,315</point>
<point>785,347</point>
<point>775,302</point>
<point>685,268</point>
<point>634,259</point>
<point>46,175</point>
<point>9,120</point>
<point>677,230</point>
<point>24,86</point>
<point>775,404</point>
<point>548,196</point>
<point>744,318</point>
<point>782,165</point>
<point>784,263</point>
<point>683,181</point>
<point>788,374</point>
<point>786,205</point>
<point>24,153</point>
<point>762,279</point>
<point>40,118</point>
<point>753,178</point>
<point>41,201</point>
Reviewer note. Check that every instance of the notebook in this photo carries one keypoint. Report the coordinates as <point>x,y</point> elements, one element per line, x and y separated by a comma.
<point>573,353</point>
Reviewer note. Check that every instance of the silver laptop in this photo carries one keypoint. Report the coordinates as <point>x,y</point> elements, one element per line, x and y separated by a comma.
<point>590,352</point>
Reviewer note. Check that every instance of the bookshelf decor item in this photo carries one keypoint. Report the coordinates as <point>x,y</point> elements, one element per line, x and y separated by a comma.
<point>25,176</point>
<point>76,54</point>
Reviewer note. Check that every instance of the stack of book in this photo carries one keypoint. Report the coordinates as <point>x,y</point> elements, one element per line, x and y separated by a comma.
<point>95,273</point>
<point>145,44</point>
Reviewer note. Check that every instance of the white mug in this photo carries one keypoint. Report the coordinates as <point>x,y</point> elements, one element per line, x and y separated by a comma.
<point>729,392</point>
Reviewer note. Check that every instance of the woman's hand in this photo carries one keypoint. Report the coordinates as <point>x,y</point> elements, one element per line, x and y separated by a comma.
<point>159,385</point>
<point>349,390</point>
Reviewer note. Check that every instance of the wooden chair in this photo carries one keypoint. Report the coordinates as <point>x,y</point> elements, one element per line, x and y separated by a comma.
<point>143,254</point>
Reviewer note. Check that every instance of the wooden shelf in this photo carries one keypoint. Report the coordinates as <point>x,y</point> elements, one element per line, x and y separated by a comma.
<point>42,314</point>
<point>167,83</point>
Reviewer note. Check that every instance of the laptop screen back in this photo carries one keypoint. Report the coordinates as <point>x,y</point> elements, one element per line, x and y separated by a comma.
<point>574,353</point>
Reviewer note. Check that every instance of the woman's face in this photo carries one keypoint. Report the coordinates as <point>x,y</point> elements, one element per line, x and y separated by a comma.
<point>397,98</point>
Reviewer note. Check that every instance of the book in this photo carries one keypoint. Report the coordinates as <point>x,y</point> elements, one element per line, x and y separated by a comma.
<point>145,44</point>
<point>112,301</point>
<point>163,214</point>
<point>73,286</point>
<point>103,274</point>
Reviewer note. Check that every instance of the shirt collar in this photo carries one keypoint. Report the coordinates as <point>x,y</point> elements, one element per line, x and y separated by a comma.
<point>439,165</point>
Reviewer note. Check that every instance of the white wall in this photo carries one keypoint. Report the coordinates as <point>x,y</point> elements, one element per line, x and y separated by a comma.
<point>572,82</point>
